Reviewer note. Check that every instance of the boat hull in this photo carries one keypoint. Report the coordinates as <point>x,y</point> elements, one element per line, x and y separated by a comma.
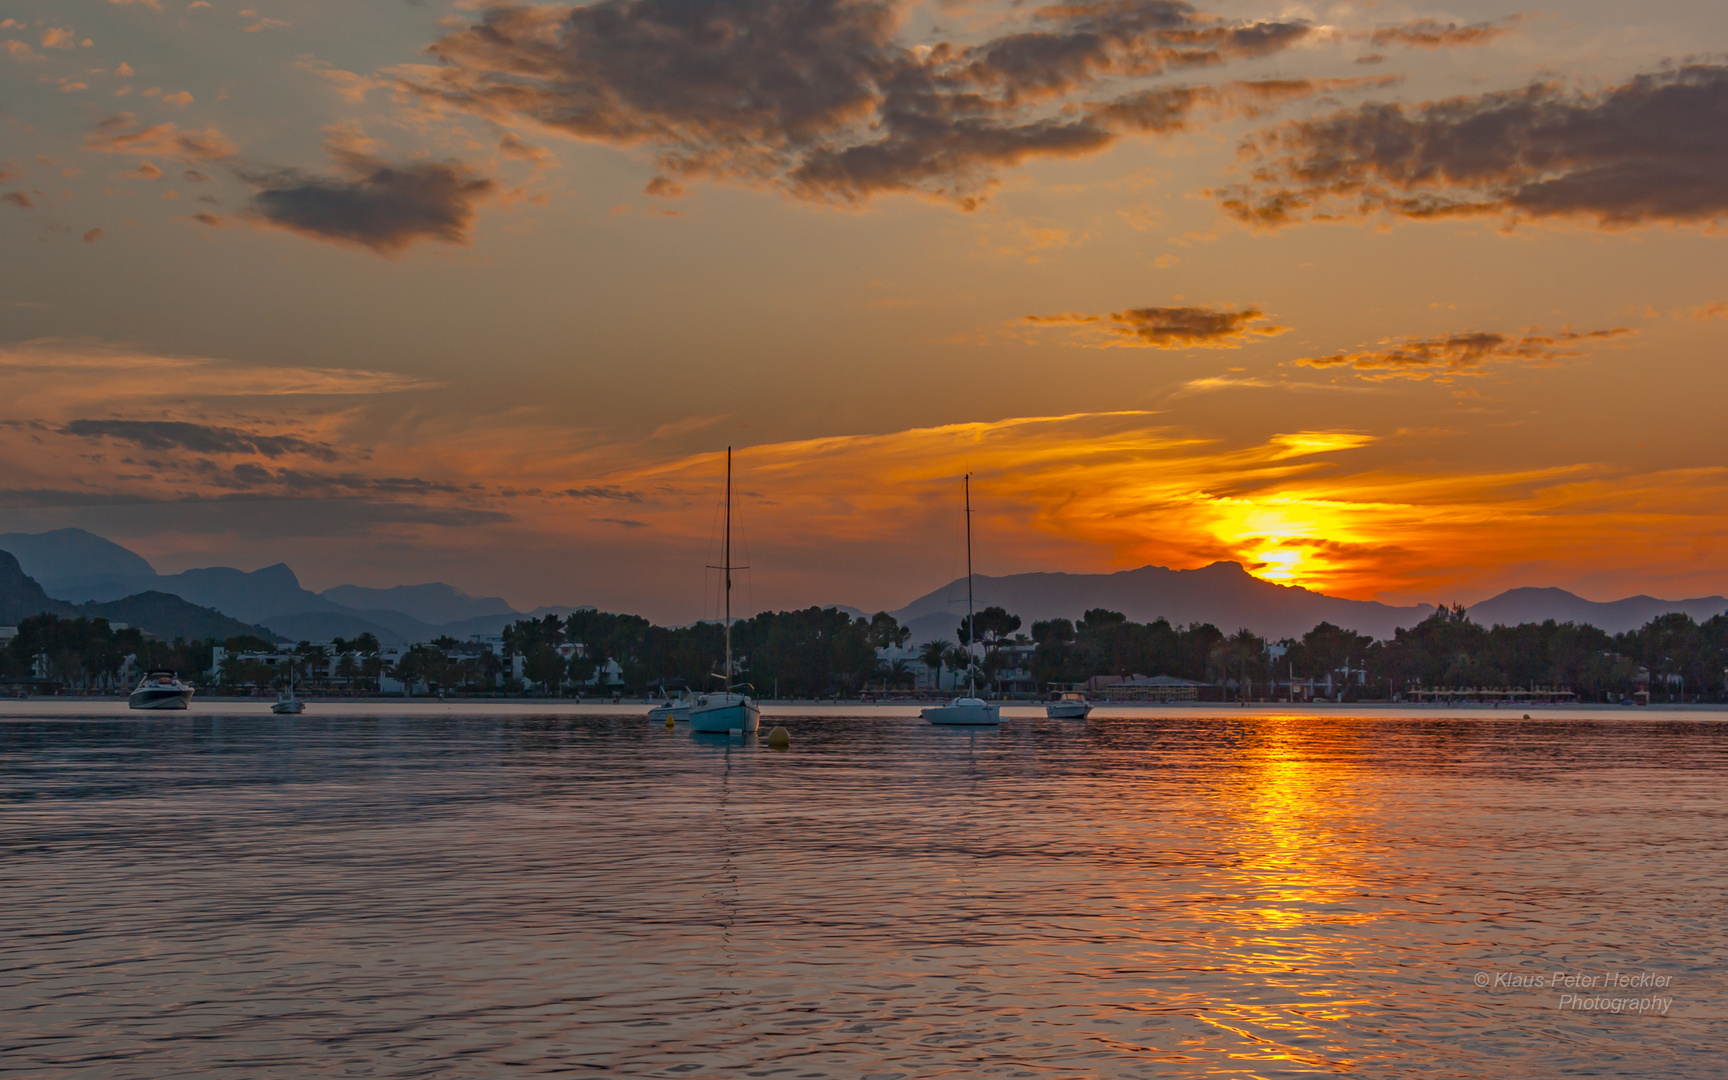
<point>288,708</point>
<point>161,698</point>
<point>722,717</point>
<point>1068,710</point>
<point>680,714</point>
<point>980,714</point>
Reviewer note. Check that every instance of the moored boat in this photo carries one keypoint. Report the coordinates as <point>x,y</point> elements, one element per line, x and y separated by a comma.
<point>971,710</point>
<point>729,709</point>
<point>161,690</point>
<point>1068,706</point>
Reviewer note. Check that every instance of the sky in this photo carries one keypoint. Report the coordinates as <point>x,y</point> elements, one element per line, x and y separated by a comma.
<point>1397,302</point>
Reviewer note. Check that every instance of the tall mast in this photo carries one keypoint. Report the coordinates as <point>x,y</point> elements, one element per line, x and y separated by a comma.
<point>971,623</point>
<point>728,570</point>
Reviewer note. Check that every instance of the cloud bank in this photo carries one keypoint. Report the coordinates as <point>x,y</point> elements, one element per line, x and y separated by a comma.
<point>819,97</point>
<point>1651,150</point>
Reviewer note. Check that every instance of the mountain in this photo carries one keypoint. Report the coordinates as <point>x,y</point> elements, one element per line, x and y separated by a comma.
<point>21,596</point>
<point>1223,594</point>
<point>169,617</point>
<point>79,565</point>
<point>1528,605</point>
<point>434,604</point>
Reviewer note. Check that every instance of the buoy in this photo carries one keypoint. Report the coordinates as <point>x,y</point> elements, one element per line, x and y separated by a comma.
<point>779,738</point>
<point>669,723</point>
<point>1526,716</point>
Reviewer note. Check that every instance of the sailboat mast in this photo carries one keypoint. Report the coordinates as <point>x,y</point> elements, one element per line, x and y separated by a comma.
<point>728,568</point>
<point>971,623</point>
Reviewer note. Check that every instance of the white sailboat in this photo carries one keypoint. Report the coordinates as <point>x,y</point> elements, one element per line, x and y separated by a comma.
<point>971,710</point>
<point>1068,705</point>
<point>286,703</point>
<point>676,709</point>
<point>729,709</point>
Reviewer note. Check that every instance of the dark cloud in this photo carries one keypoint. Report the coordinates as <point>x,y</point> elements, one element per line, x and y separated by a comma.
<point>205,217</point>
<point>303,483</point>
<point>19,199</point>
<point>1173,108</point>
<point>1433,34</point>
<point>603,492</point>
<point>178,435</point>
<point>818,96</point>
<point>1654,149</point>
<point>374,204</point>
<point>1464,353</point>
<point>628,523</point>
<point>1167,327</point>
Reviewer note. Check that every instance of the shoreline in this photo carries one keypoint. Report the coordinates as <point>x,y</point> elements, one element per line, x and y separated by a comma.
<point>107,708</point>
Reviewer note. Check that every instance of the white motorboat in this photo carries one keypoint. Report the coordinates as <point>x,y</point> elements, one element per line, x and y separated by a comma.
<point>971,710</point>
<point>161,690</point>
<point>1068,706</point>
<point>730,709</point>
<point>676,709</point>
<point>287,704</point>
<point>966,711</point>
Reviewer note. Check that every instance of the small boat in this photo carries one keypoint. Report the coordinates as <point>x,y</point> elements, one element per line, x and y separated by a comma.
<point>161,690</point>
<point>730,709</point>
<point>971,710</point>
<point>1068,706</point>
<point>287,704</point>
<point>676,709</point>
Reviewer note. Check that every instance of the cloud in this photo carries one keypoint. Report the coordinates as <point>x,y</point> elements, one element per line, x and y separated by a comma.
<point>819,97</point>
<point>92,236</point>
<point>1433,34</point>
<point>1464,353</point>
<point>19,199</point>
<point>174,434</point>
<point>1718,310</point>
<point>372,203</point>
<point>1174,108</point>
<point>19,50</point>
<point>1652,150</point>
<point>1165,327</point>
<point>159,140</point>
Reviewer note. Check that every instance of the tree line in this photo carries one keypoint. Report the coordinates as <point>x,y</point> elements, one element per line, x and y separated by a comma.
<point>822,652</point>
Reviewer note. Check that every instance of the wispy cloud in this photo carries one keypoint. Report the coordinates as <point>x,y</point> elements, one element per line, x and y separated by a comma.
<point>1165,327</point>
<point>1466,353</point>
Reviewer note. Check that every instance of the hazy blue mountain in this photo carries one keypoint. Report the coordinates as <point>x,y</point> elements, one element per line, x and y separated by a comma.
<point>1516,606</point>
<point>169,617</point>
<point>1223,594</point>
<point>21,595</point>
<point>329,625</point>
<point>76,565</point>
<point>166,616</point>
<point>435,603</point>
<point>254,596</point>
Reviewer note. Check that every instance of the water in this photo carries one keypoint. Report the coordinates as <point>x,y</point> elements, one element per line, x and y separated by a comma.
<point>1219,896</point>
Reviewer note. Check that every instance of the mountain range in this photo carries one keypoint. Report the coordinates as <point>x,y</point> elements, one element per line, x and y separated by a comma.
<point>162,614</point>
<point>84,571</point>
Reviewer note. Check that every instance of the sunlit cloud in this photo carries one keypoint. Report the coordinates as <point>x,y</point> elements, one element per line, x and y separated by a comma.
<point>1466,353</point>
<point>1164,327</point>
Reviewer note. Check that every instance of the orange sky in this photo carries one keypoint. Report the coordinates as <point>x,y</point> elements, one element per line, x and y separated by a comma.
<point>1368,298</point>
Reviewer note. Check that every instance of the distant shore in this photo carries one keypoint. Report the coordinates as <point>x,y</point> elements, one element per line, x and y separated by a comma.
<point>114,707</point>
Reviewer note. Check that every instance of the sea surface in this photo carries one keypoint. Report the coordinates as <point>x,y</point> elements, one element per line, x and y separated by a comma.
<point>498,893</point>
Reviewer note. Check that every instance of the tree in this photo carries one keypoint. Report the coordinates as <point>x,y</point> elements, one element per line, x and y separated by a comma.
<point>934,655</point>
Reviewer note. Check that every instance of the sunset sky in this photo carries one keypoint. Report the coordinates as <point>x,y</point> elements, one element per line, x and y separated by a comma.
<point>1395,302</point>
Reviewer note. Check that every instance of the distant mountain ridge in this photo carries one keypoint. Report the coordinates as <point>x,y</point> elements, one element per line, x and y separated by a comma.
<point>166,616</point>
<point>1524,605</point>
<point>1223,594</point>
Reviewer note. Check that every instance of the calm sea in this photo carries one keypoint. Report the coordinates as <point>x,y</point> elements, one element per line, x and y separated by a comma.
<point>512,895</point>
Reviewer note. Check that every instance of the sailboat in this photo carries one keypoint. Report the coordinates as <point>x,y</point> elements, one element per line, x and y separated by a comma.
<point>729,709</point>
<point>971,710</point>
<point>286,703</point>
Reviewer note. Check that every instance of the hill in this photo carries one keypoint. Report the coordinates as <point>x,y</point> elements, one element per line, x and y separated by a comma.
<point>169,617</point>
<point>79,565</point>
<point>1223,594</point>
<point>1528,605</point>
<point>434,604</point>
<point>21,596</point>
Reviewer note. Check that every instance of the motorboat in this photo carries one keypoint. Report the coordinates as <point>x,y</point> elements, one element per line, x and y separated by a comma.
<point>287,704</point>
<point>971,710</point>
<point>161,690</point>
<point>1068,706</point>
<point>730,709</point>
<point>676,709</point>
<point>963,712</point>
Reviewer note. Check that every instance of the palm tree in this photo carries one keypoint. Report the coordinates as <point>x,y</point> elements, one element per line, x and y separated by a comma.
<point>933,654</point>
